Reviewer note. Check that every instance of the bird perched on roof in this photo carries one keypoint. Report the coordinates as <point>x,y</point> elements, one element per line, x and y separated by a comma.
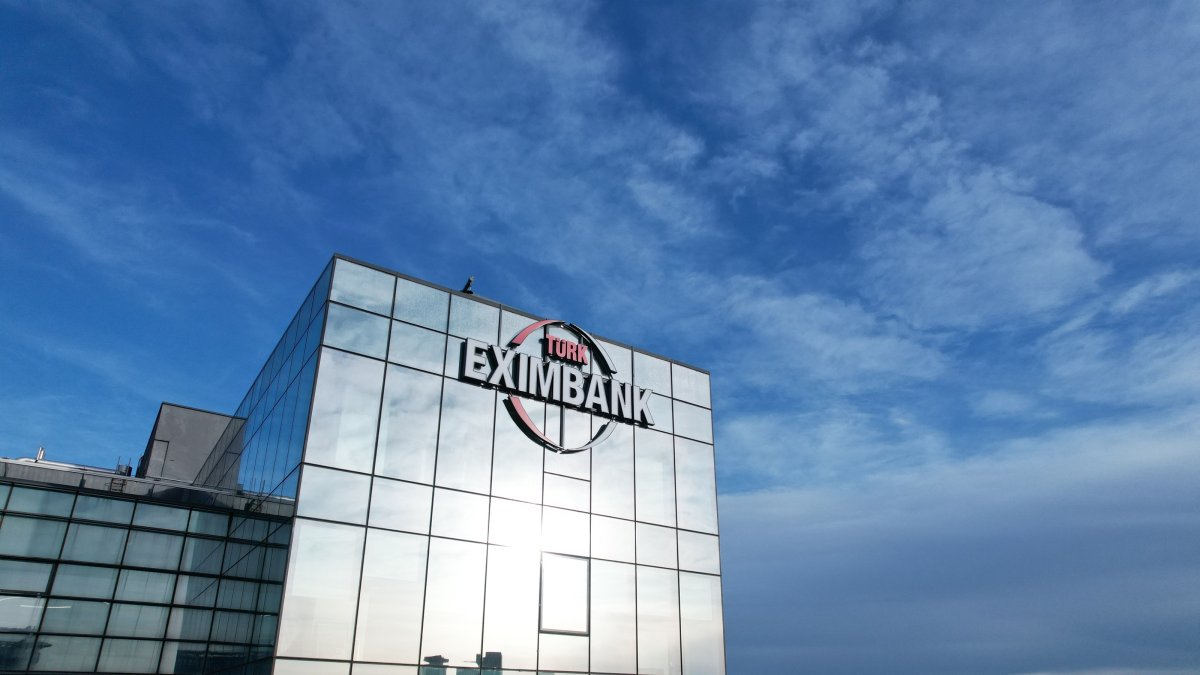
<point>467,288</point>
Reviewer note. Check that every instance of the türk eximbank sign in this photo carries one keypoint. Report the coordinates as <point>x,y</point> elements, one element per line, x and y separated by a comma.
<point>558,379</point>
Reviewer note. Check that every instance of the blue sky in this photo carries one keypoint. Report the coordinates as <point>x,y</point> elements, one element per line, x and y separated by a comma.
<point>940,258</point>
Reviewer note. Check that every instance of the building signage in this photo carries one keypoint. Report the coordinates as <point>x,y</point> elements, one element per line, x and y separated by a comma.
<point>561,378</point>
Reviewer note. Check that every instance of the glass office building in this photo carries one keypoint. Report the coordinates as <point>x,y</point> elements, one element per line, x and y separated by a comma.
<point>416,482</point>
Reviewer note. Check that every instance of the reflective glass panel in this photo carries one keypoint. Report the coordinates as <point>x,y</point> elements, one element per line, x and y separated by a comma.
<point>189,624</point>
<point>454,349</point>
<point>612,474</point>
<point>203,555</point>
<point>515,524</point>
<point>701,624</point>
<point>621,360</point>
<point>565,531</point>
<point>356,331</point>
<point>464,457</point>
<point>612,539</point>
<point>614,623</point>
<point>129,656</point>
<point>141,586</point>
<point>472,319</point>
<point>59,652</point>
<point>655,473</point>
<point>317,619</point>
<point>660,410</point>
<point>31,537</point>
<point>19,612</point>
<point>15,648</point>
<point>652,373</point>
<point>658,621</point>
<point>206,522</point>
<point>564,593</point>
<point>93,543</point>
<point>162,517</point>
<point>699,552</point>
<point>655,545</point>
<point>19,575</point>
<point>569,493</point>
<point>137,621</point>
<point>292,667</point>
<point>88,507</point>
<point>181,658</point>
<point>232,626</point>
<point>417,347</point>
<point>345,411</point>
<point>693,421</point>
<point>563,652</point>
<point>696,483</point>
<point>393,591</point>
<point>152,549</point>
<point>75,616</point>
<point>421,304</point>
<point>380,669</point>
<point>510,623</point>
<point>400,506</point>
<point>333,495</point>
<point>44,502</point>
<point>690,385</point>
<point>460,515</point>
<point>517,461</point>
<point>243,560</point>
<point>362,287</point>
<point>201,591</point>
<point>408,428</point>
<point>454,601</point>
<point>236,594</point>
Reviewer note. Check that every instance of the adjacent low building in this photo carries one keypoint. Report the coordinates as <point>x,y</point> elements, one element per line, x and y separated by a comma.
<point>419,480</point>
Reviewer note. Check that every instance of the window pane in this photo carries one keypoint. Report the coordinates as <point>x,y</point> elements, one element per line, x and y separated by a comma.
<point>75,616</point>
<point>460,515</point>
<point>565,531</point>
<point>356,331</point>
<point>146,586</point>
<point>563,652</point>
<point>515,524</point>
<point>470,319</point>
<point>31,537</point>
<point>454,601</point>
<point>699,553</point>
<point>511,623</point>
<point>612,474</point>
<point>19,575</point>
<point>18,612</point>
<point>333,495</point>
<point>409,426</point>
<point>421,304</point>
<point>200,591</point>
<point>393,591</point>
<point>181,658</point>
<point>569,493</point>
<point>693,422</point>
<point>151,549</point>
<point>652,373</point>
<point>15,648</point>
<point>235,594</point>
<point>564,594</point>
<point>163,517</point>
<point>701,624</point>
<point>517,462</point>
<point>189,624</point>
<point>203,555</point>
<point>88,507</point>
<point>655,466</point>
<point>362,287</point>
<point>696,482</point>
<point>129,656</point>
<point>206,522</point>
<point>85,581</point>
<point>318,606</point>
<point>232,626</point>
<point>93,543</point>
<point>44,502</point>
<point>465,440</point>
<point>660,410</point>
<point>658,621</point>
<point>59,652</point>
<point>690,385</point>
<point>614,624</point>
<point>417,347</point>
<point>401,506</point>
<point>655,545</point>
<point>290,667</point>
<point>612,539</point>
<point>345,410</point>
<point>137,621</point>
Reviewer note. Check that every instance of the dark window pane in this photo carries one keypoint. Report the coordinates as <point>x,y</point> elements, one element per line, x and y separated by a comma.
<point>236,594</point>
<point>141,586</point>
<point>201,591</point>
<point>19,575</point>
<point>189,624</point>
<point>59,652</point>
<point>163,517</point>
<point>15,648</point>
<point>182,658</point>
<point>243,560</point>
<point>203,555</point>
<point>44,502</point>
<point>88,507</point>
<point>85,581</point>
<point>152,549</point>
<point>30,537</point>
<point>75,616</point>
<point>206,522</point>
<point>137,621</point>
<point>94,543</point>
<point>232,626</point>
<point>129,656</point>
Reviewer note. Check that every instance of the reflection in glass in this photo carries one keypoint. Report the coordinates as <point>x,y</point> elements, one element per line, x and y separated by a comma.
<point>152,549</point>
<point>612,474</point>
<point>20,575</point>
<point>515,524</point>
<point>409,425</point>
<point>75,616</point>
<point>146,621</point>
<point>699,552</point>
<point>202,555</point>
<point>655,477</point>
<point>690,385</point>
<point>31,537</point>
<point>417,347</point>
<point>356,331</point>
<point>564,594</point>
<point>189,624</point>
<point>421,304</point>
<point>15,648</point>
<point>652,373</point>
<point>182,658</point>
<point>393,589</point>
<point>333,495</point>
<point>18,612</point>
<point>517,462</point>
<point>658,621</point>
<point>59,652</point>
<point>290,667</point>
<point>236,594</point>
<point>380,669</point>
<point>621,359</point>
<point>140,586</point>
<point>655,545</point>
<point>43,502</point>
<point>701,624</point>
<point>362,287</point>
<point>565,531</point>
<point>345,410</point>
<point>206,522</point>
<point>88,507</point>
<point>660,409</point>
<point>318,606</point>
<point>696,482</point>
<point>232,626</point>
<point>471,319</point>
<point>562,652</point>
<point>92,543</point>
<point>454,601</point>
<point>693,422</point>
<point>162,517</point>
<point>569,493</point>
<point>128,656</point>
<point>612,539</point>
<point>400,506</point>
<point>511,621</point>
<point>459,515</point>
<point>200,591</point>
<point>465,441</point>
<point>614,624</point>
